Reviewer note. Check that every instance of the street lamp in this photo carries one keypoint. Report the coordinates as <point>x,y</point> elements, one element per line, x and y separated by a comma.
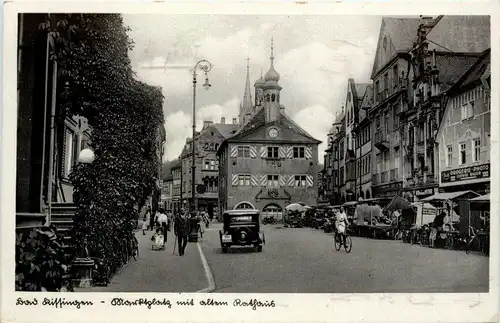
<point>86,156</point>
<point>205,66</point>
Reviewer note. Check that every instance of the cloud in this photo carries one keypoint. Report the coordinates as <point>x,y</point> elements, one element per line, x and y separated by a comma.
<point>317,121</point>
<point>178,125</point>
<point>315,56</point>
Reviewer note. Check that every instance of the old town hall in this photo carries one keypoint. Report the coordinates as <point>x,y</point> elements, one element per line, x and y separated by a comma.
<point>269,162</point>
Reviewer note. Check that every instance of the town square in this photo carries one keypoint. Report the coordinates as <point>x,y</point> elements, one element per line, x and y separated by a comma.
<point>243,154</point>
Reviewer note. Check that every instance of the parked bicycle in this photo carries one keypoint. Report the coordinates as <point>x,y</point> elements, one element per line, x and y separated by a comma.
<point>475,243</point>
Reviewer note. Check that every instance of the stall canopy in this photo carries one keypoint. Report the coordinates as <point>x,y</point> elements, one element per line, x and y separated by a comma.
<point>396,203</point>
<point>352,203</point>
<point>450,196</point>
<point>481,199</point>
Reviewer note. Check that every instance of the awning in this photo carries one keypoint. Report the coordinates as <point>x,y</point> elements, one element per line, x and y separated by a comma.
<point>351,203</point>
<point>396,203</point>
<point>483,198</point>
<point>448,196</point>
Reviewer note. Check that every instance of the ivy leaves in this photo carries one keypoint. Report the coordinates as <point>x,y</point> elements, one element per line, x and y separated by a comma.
<point>124,115</point>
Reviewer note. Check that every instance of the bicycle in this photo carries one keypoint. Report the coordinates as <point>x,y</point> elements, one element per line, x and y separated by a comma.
<point>338,242</point>
<point>475,243</point>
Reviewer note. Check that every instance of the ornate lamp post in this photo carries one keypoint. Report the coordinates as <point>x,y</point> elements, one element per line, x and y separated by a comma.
<point>82,264</point>
<point>205,66</point>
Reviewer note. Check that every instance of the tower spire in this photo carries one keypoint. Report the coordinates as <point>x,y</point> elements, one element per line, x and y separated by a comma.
<point>246,106</point>
<point>272,51</point>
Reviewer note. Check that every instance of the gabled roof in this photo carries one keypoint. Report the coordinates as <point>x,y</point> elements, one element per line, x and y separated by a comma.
<point>225,129</point>
<point>473,74</point>
<point>259,121</point>
<point>401,33</point>
<point>452,67</point>
<point>460,34</point>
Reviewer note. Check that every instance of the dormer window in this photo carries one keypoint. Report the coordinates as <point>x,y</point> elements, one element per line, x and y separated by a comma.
<point>385,43</point>
<point>273,97</point>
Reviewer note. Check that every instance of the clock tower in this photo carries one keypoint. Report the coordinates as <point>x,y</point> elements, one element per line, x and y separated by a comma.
<point>272,91</point>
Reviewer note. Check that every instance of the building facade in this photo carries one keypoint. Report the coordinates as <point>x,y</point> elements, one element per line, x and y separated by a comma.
<point>463,139</point>
<point>176,170</point>
<point>207,143</point>
<point>334,163</point>
<point>270,162</point>
<point>47,147</point>
<point>355,93</point>
<point>434,69</point>
<point>390,83</point>
<point>362,130</point>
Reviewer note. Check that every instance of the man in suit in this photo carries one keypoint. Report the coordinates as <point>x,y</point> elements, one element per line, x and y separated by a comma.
<point>181,230</point>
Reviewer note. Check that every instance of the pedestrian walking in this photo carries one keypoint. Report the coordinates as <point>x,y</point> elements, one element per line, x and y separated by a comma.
<point>162,220</point>
<point>437,225</point>
<point>144,225</point>
<point>181,230</point>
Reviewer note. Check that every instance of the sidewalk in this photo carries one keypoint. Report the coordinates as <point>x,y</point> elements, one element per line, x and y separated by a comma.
<point>158,271</point>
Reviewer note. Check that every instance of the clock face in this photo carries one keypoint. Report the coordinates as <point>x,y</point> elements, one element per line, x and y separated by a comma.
<point>273,132</point>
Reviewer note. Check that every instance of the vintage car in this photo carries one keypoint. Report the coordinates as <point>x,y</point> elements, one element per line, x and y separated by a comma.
<point>241,228</point>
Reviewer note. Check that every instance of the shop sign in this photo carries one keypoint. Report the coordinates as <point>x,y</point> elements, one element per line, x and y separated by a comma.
<point>428,191</point>
<point>466,173</point>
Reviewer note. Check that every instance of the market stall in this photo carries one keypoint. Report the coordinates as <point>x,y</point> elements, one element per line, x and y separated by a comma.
<point>455,206</point>
<point>478,219</point>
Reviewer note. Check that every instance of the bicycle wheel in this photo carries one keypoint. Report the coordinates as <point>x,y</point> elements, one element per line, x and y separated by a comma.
<point>450,243</point>
<point>336,242</point>
<point>348,244</point>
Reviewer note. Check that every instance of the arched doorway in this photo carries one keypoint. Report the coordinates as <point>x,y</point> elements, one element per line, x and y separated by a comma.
<point>272,210</point>
<point>362,195</point>
<point>244,205</point>
<point>342,200</point>
<point>368,194</point>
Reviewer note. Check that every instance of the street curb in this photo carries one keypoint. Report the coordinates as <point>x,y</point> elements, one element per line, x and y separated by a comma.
<point>208,273</point>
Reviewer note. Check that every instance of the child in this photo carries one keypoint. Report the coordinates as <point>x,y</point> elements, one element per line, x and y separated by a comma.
<point>158,240</point>
<point>144,226</point>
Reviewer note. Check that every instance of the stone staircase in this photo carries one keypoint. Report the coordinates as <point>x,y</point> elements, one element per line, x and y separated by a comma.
<point>62,219</point>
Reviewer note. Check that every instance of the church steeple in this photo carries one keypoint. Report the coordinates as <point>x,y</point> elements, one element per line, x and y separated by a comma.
<point>246,106</point>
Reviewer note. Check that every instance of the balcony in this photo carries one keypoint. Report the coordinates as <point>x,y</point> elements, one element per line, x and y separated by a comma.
<point>394,175</point>
<point>384,177</point>
<point>382,96</point>
<point>381,141</point>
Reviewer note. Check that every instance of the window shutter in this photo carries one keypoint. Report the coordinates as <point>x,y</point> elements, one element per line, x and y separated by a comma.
<point>282,153</point>
<point>291,180</point>
<point>234,151</point>
<point>263,180</point>
<point>310,180</point>
<point>62,170</point>
<point>282,180</point>
<point>253,151</point>
<point>308,152</point>
<point>234,180</point>
<point>253,180</point>
<point>263,152</point>
<point>289,152</point>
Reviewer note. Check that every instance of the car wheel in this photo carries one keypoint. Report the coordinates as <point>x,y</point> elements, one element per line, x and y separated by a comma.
<point>224,249</point>
<point>259,248</point>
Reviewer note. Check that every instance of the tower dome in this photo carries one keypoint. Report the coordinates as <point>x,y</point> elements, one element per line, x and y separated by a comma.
<point>260,82</point>
<point>272,75</point>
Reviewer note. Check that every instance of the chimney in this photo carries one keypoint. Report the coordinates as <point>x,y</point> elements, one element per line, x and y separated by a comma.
<point>234,121</point>
<point>223,120</point>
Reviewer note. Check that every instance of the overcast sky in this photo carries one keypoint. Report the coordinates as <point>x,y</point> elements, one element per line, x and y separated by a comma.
<point>314,56</point>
